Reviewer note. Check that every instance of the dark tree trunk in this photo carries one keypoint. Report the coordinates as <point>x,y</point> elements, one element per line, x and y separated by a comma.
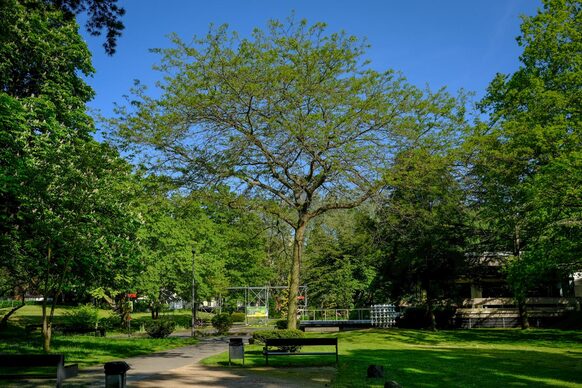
<point>298,241</point>
<point>4,321</point>
<point>523,315</point>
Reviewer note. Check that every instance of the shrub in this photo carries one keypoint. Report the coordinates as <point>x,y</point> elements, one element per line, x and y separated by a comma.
<point>160,328</point>
<point>82,317</point>
<point>444,316</point>
<point>261,335</point>
<point>413,318</point>
<point>222,323</point>
<point>417,317</point>
<point>281,324</point>
<point>238,317</point>
<point>112,322</point>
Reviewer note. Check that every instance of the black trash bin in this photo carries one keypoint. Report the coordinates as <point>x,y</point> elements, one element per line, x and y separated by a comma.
<point>236,350</point>
<point>115,374</point>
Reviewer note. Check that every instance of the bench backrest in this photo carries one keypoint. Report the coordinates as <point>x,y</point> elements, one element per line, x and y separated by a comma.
<point>30,360</point>
<point>300,341</point>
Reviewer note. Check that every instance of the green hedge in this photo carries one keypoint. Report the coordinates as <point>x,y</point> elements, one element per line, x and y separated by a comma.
<point>261,335</point>
<point>222,323</point>
<point>160,328</point>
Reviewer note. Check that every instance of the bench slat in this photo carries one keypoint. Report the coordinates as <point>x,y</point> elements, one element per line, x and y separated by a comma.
<point>300,353</point>
<point>31,360</point>
<point>52,376</point>
<point>300,341</point>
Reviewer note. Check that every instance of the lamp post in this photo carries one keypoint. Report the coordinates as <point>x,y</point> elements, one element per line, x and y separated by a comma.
<point>193,292</point>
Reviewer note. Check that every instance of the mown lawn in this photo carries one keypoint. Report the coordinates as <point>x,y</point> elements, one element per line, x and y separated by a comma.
<point>84,350</point>
<point>461,358</point>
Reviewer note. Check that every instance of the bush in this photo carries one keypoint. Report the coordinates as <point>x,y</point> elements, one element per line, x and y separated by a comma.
<point>112,322</point>
<point>160,328</point>
<point>238,317</point>
<point>222,323</point>
<point>281,324</point>
<point>417,317</point>
<point>444,316</point>
<point>413,318</point>
<point>82,317</point>
<point>261,335</point>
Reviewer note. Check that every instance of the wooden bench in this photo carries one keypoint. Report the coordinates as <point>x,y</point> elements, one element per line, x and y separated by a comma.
<point>28,362</point>
<point>295,342</point>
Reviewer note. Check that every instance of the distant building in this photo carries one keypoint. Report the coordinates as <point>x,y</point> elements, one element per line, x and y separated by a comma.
<point>487,299</point>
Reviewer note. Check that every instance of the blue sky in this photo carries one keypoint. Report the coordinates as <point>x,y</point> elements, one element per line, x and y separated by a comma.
<point>452,43</point>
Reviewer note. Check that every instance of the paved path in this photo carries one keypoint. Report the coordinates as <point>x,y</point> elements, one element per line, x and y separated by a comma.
<point>181,368</point>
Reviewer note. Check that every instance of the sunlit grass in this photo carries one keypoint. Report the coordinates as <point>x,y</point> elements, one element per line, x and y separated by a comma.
<point>461,358</point>
<point>84,350</point>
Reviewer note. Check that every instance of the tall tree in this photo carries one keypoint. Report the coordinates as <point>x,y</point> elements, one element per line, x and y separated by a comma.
<point>62,194</point>
<point>293,117</point>
<point>527,164</point>
<point>422,227</point>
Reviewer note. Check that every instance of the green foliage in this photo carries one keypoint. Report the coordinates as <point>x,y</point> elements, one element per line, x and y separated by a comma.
<point>237,317</point>
<point>293,116</point>
<point>422,226</point>
<point>64,219</point>
<point>527,161</point>
<point>160,328</point>
<point>261,335</point>
<point>281,324</point>
<point>417,317</point>
<point>222,323</point>
<point>341,260</point>
<point>176,227</point>
<point>85,316</point>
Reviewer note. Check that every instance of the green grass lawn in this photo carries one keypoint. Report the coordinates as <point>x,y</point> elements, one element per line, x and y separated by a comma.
<point>84,350</point>
<point>461,358</point>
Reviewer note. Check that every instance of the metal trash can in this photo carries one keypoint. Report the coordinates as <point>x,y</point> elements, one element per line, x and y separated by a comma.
<point>236,350</point>
<point>115,374</point>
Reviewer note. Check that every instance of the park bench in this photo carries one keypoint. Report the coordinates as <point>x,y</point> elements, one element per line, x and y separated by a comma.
<point>23,367</point>
<point>298,342</point>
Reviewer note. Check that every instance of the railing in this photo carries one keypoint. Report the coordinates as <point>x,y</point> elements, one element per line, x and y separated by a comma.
<point>543,302</point>
<point>335,314</point>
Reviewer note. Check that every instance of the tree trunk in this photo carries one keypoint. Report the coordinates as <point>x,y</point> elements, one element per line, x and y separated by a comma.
<point>523,316</point>
<point>298,241</point>
<point>46,322</point>
<point>431,316</point>
<point>46,326</point>
<point>4,321</point>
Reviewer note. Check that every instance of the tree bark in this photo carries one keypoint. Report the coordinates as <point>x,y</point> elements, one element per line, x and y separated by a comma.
<point>46,324</point>
<point>298,242</point>
<point>523,315</point>
<point>4,321</point>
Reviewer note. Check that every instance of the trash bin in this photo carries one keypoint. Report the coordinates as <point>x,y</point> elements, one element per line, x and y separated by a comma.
<point>115,374</point>
<point>236,350</point>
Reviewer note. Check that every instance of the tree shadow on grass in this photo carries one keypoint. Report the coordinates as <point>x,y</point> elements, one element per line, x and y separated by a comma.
<point>453,367</point>
<point>544,337</point>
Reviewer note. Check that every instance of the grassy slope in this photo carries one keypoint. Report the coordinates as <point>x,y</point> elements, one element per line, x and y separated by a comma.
<point>462,358</point>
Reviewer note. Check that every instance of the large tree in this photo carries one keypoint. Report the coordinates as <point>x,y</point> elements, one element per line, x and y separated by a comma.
<point>422,227</point>
<point>293,117</point>
<point>528,157</point>
<point>63,196</point>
